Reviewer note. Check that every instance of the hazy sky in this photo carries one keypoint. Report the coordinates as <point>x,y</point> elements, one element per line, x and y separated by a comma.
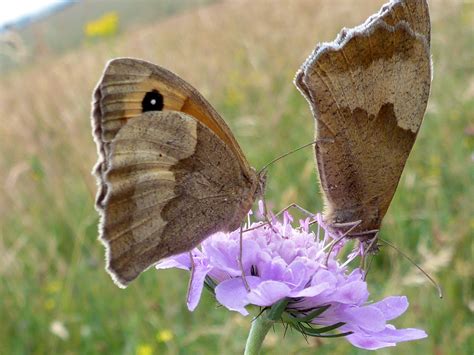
<point>14,9</point>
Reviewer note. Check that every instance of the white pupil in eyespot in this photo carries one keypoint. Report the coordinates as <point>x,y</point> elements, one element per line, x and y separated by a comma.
<point>153,101</point>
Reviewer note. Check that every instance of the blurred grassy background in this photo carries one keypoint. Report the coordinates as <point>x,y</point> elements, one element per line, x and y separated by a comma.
<point>242,55</point>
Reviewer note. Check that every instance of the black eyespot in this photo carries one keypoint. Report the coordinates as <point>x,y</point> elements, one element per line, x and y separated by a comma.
<point>153,101</point>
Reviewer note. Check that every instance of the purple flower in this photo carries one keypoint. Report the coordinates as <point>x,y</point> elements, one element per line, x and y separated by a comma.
<point>291,265</point>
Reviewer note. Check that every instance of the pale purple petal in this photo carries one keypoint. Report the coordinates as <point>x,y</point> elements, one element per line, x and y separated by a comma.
<point>310,291</point>
<point>390,333</point>
<point>224,254</point>
<point>261,207</point>
<point>273,269</point>
<point>388,337</point>
<point>250,254</point>
<point>232,293</point>
<point>296,275</point>
<point>268,293</point>
<point>288,251</point>
<point>364,341</point>
<point>284,262</point>
<point>304,224</point>
<point>352,293</point>
<point>324,276</point>
<point>392,307</point>
<point>368,318</point>
<point>180,261</point>
<point>195,286</point>
<point>355,275</point>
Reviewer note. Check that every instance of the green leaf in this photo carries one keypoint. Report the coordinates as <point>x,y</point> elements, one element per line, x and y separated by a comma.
<point>276,311</point>
<point>313,314</point>
<point>210,284</point>
<point>324,329</point>
<point>319,332</point>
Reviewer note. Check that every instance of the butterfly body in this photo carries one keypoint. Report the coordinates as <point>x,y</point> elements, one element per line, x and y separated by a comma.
<point>170,172</point>
<point>368,92</point>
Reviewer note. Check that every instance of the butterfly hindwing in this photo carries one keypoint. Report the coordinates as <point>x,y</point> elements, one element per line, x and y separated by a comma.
<point>368,91</point>
<point>169,173</point>
<point>164,193</point>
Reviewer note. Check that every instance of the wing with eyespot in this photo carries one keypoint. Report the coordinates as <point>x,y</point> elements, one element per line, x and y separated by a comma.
<point>120,93</point>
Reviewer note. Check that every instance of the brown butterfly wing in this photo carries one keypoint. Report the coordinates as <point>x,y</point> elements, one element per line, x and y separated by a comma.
<point>368,91</point>
<point>414,12</point>
<point>118,98</point>
<point>167,178</point>
<point>171,182</point>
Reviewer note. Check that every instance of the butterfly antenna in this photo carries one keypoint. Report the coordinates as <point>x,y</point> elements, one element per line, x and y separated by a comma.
<point>265,167</point>
<point>369,265</point>
<point>435,284</point>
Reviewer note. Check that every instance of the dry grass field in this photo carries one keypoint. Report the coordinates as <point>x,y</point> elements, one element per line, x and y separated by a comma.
<point>242,55</point>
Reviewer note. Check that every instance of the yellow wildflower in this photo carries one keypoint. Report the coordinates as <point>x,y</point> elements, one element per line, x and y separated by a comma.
<point>144,349</point>
<point>164,336</point>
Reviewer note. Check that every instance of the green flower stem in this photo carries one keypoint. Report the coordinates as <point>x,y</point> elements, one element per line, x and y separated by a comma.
<point>260,327</point>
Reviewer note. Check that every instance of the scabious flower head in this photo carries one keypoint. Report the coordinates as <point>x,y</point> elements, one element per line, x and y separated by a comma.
<point>290,267</point>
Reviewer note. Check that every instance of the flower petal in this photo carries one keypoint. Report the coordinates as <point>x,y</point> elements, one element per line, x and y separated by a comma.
<point>392,334</point>
<point>196,284</point>
<point>299,272</point>
<point>368,318</point>
<point>284,262</point>
<point>388,337</point>
<point>367,342</point>
<point>232,293</point>
<point>268,292</point>
<point>392,307</point>
<point>352,293</point>
<point>311,291</point>
<point>180,261</point>
<point>271,269</point>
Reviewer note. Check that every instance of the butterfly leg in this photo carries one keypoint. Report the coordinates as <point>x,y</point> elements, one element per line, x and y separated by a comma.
<point>363,259</point>
<point>298,207</point>
<point>367,250</point>
<point>247,287</point>
<point>267,220</point>
<point>334,243</point>
<point>302,210</point>
<point>367,269</point>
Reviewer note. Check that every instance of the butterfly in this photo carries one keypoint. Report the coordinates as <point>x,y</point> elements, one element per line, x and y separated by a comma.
<point>368,91</point>
<point>169,173</point>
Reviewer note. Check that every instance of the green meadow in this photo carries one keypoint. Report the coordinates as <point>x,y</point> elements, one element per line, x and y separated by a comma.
<point>56,298</point>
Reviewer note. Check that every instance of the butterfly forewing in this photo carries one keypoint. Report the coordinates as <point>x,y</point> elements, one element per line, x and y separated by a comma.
<point>119,97</point>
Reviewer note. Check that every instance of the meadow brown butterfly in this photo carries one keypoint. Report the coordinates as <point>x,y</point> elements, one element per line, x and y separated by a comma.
<point>169,173</point>
<point>368,92</point>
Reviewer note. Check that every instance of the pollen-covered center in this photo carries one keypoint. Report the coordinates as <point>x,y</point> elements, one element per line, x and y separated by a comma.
<point>153,101</point>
